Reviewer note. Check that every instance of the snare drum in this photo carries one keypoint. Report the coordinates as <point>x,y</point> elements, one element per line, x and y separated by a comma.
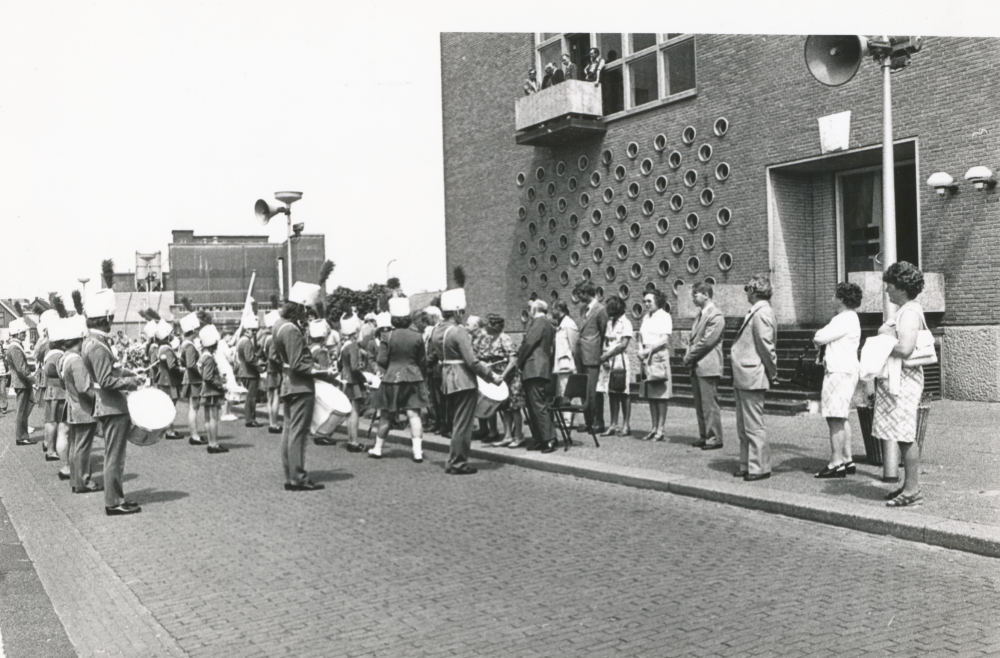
<point>151,411</point>
<point>330,407</point>
<point>491,398</point>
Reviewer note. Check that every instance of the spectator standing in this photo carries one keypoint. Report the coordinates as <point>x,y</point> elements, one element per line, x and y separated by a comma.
<point>654,354</point>
<point>531,84</point>
<point>534,359</point>
<point>24,381</point>
<point>588,353</point>
<point>842,337</point>
<point>497,350</point>
<point>569,69</point>
<point>248,369</point>
<point>755,366</point>
<point>4,378</point>
<point>566,341</point>
<point>616,372</point>
<point>704,357</point>
<point>594,68</point>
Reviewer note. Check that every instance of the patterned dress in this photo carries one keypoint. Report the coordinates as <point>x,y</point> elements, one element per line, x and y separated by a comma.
<point>495,351</point>
<point>896,415</point>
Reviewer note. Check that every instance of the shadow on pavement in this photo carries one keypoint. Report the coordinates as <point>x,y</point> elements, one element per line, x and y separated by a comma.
<point>149,496</point>
<point>329,476</point>
<point>237,446</point>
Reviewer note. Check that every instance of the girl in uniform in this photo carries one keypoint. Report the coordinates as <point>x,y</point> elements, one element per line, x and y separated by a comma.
<point>213,387</point>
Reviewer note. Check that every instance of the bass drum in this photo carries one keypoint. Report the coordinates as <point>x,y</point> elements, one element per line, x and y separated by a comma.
<point>151,411</point>
<point>491,397</point>
<point>330,407</point>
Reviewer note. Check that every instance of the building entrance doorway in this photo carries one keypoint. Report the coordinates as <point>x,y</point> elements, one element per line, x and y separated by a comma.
<point>859,214</point>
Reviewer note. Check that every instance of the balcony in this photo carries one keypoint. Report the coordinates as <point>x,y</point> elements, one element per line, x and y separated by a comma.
<point>565,113</point>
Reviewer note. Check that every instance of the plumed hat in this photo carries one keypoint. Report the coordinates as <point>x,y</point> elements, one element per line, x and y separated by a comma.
<point>399,307</point>
<point>318,328</point>
<point>101,303</point>
<point>304,293</point>
<point>209,335</point>
<point>190,322</point>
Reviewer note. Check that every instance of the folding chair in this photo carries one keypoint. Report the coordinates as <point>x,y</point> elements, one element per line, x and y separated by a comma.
<point>576,387</point>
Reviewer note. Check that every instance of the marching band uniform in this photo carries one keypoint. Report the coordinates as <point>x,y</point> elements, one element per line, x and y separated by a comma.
<point>81,399</point>
<point>273,374</point>
<point>152,353</point>
<point>41,351</point>
<point>213,387</point>
<point>23,382</point>
<point>171,375</point>
<point>297,389</point>
<point>248,371</point>
<point>191,385</point>
<point>55,400</point>
<point>110,409</point>
<point>318,330</point>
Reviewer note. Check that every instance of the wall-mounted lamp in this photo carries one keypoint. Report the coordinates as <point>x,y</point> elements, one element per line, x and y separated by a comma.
<point>942,183</point>
<point>980,177</point>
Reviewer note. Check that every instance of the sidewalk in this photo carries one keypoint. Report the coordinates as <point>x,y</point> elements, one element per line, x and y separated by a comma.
<point>960,472</point>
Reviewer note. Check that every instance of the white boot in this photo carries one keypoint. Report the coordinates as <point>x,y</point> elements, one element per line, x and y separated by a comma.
<point>418,453</point>
<point>377,450</point>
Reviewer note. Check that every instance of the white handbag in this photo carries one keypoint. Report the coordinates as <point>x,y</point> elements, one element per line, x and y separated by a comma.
<point>923,353</point>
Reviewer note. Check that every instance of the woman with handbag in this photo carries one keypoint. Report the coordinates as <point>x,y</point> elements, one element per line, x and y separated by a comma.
<point>899,388</point>
<point>654,334</point>
<point>842,337</point>
<point>615,371</point>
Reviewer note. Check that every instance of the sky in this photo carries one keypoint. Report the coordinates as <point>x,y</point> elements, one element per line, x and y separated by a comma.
<point>122,121</point>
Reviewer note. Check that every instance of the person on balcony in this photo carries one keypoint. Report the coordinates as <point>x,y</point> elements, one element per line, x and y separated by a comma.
<point>553,76</point>
<point>595,67</point>
<point>531,84</point>
<point>569,69</point>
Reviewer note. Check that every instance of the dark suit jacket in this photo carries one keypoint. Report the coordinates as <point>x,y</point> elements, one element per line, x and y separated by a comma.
<point>558,76</point>
<point>537,351</point>
<point>591,343</point>
<point>571,72</point>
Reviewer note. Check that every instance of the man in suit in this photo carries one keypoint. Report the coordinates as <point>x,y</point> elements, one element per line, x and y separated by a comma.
<point>534,358</point>
<point>704,357</point>
<point>589,349</point>
<point>24,381</point>
<point>248,369</point>
<point>569,69</point>
<point>755,366</point>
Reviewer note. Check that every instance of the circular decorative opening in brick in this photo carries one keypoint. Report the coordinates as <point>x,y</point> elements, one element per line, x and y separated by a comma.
<point>608,195</point>
<point>532,228</point>
<point>632,150</point>
<point>610,272</point>
<point>587,274</point>
<point>574,258</point>
<point>563,241</point>
<point>708,241</point>
<point>542,244</point>
<point>585,238</point>
<point>648,247</point>
<point>540,174</point>
<point>606,156</point>
<point>622,252</point>
<point>678,284</point>
<point>707,197</point>
<point>676,202</point>
<point>595,178</point>
<point>691,221</point>
<point>561,204</point>
<point>583,163</point>
<point>690,177</point>
<point>694,264</point>
<point>634,230</point>
<point>522,213</point>
<point>554,295</point>
<point>621,212</point>
<point>722,171</point>
<point>552,224</point>
<point>524,317</point>
<point>543,279</point>
<point>551,189</point>
<point>575,297</point>
<point>650,286</point>
<point>623,291</point>
<point>609,234</point>
<point>633,190</point>
<point>646,167</point>
<point>524,281</point>
<point>584,200</point>
<point>600,293</point>
<point>663,267</point>
<point>660,184</point>
<point>660,142</point>
<point>725,261</point>
<point>721,126</point>
<point>560,168</point>
<point>662,225</point>
<point>674,159</point>
<point>520,179</point>
<point>572,184</point>
<point>598,255</point>
<point>574,220</point>
<point>637,310</point>
<point>564,277</point>
<point>688,135</point>
<point>705,152</point>
<point>710,280</point>
<point>541,208</point>
<point>596,216</point>
<point>530,192</point>
<point>522,247</point>
<point>553,261</point>
<point>724,216</point>
<point>620,172</point>
<point>648,207</point>
<point>533,263</point>
<point>635,271</point>
<point>677,245</point>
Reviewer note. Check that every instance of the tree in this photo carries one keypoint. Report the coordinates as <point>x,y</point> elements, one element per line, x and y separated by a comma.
<point>341,300</point>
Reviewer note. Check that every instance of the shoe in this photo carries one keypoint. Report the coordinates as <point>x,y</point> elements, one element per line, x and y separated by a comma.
<point>608,432</point>
<point>354,447</point>
<point>419,460</point>
<point>625,431</point>
<point>174,436</point>
<point>128,504</point>
<point>122,509</point>
<point>740,474</point>
<point>838,471</point>
<point>86,490</point>
<point>548,447</point>
<point>894,494</point>
<point>216,450</point>
<point>700,443</point>
<point>308,485</point>
<point>446,434</point>
<point>253,423</point>
<point>712,446</point>
<point>536,445</point>
<point>324,441</point>
<point>506,443</point>
<point>659,437</point>
<point>754,477</point>
<point>275,430</point>
<point>228,418</point>
<point>850,468</point>
<point>26,442</point>
<point>906,501</point>
<point>62,476</point>
<point>198,442</point>
<point>493,438</point>
<point>373,455</point>
<point>461,470</point>
<point>51,458</point>
<point>520,443</point>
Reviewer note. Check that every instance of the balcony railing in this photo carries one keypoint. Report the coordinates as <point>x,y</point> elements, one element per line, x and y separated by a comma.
<point>564,113</point>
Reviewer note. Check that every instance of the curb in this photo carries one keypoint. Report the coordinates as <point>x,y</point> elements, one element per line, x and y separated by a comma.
<point>901,524</point>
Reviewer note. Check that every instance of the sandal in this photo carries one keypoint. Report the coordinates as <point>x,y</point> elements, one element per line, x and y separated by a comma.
<point>659,437</point>
<point>894,494</point>
<point>906,501</point>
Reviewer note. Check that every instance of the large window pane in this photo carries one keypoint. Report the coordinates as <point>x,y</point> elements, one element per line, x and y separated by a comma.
<point>612,91</point>
<point>674,35</point>
<point>610,45</point>
<point>642,41</point>
<point>679,63</point>
<point>548,35</point>
<point>643,77</point>
<point>550,53</point>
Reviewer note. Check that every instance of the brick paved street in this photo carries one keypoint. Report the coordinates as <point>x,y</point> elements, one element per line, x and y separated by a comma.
<point>396,559</point>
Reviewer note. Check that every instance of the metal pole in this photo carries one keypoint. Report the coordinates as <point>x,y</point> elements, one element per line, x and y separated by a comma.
<point>289,248</point>
<point>890,449</point>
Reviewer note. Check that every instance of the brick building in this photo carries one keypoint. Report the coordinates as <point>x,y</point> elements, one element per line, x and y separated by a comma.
<point>705,160</point>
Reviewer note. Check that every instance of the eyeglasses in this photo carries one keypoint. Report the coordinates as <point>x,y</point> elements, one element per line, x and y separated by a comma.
<point>746,288</point>
<point>648,301</point>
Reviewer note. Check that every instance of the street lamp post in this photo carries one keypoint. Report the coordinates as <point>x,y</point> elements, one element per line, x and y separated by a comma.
<point>83,282</point>
<point>265,210</point>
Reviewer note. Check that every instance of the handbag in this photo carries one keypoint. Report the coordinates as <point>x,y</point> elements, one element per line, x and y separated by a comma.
<point>617,382</point>
<point>658,370</point>
<point>809,372</point>
<point>923,353</point>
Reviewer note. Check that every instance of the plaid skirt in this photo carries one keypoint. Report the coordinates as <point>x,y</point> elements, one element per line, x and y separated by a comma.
<point>896,415</point>
<point>400,396</point>
<point>838,391</point>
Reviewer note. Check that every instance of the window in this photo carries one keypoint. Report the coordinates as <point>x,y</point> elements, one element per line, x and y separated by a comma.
<point>641,69</point>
